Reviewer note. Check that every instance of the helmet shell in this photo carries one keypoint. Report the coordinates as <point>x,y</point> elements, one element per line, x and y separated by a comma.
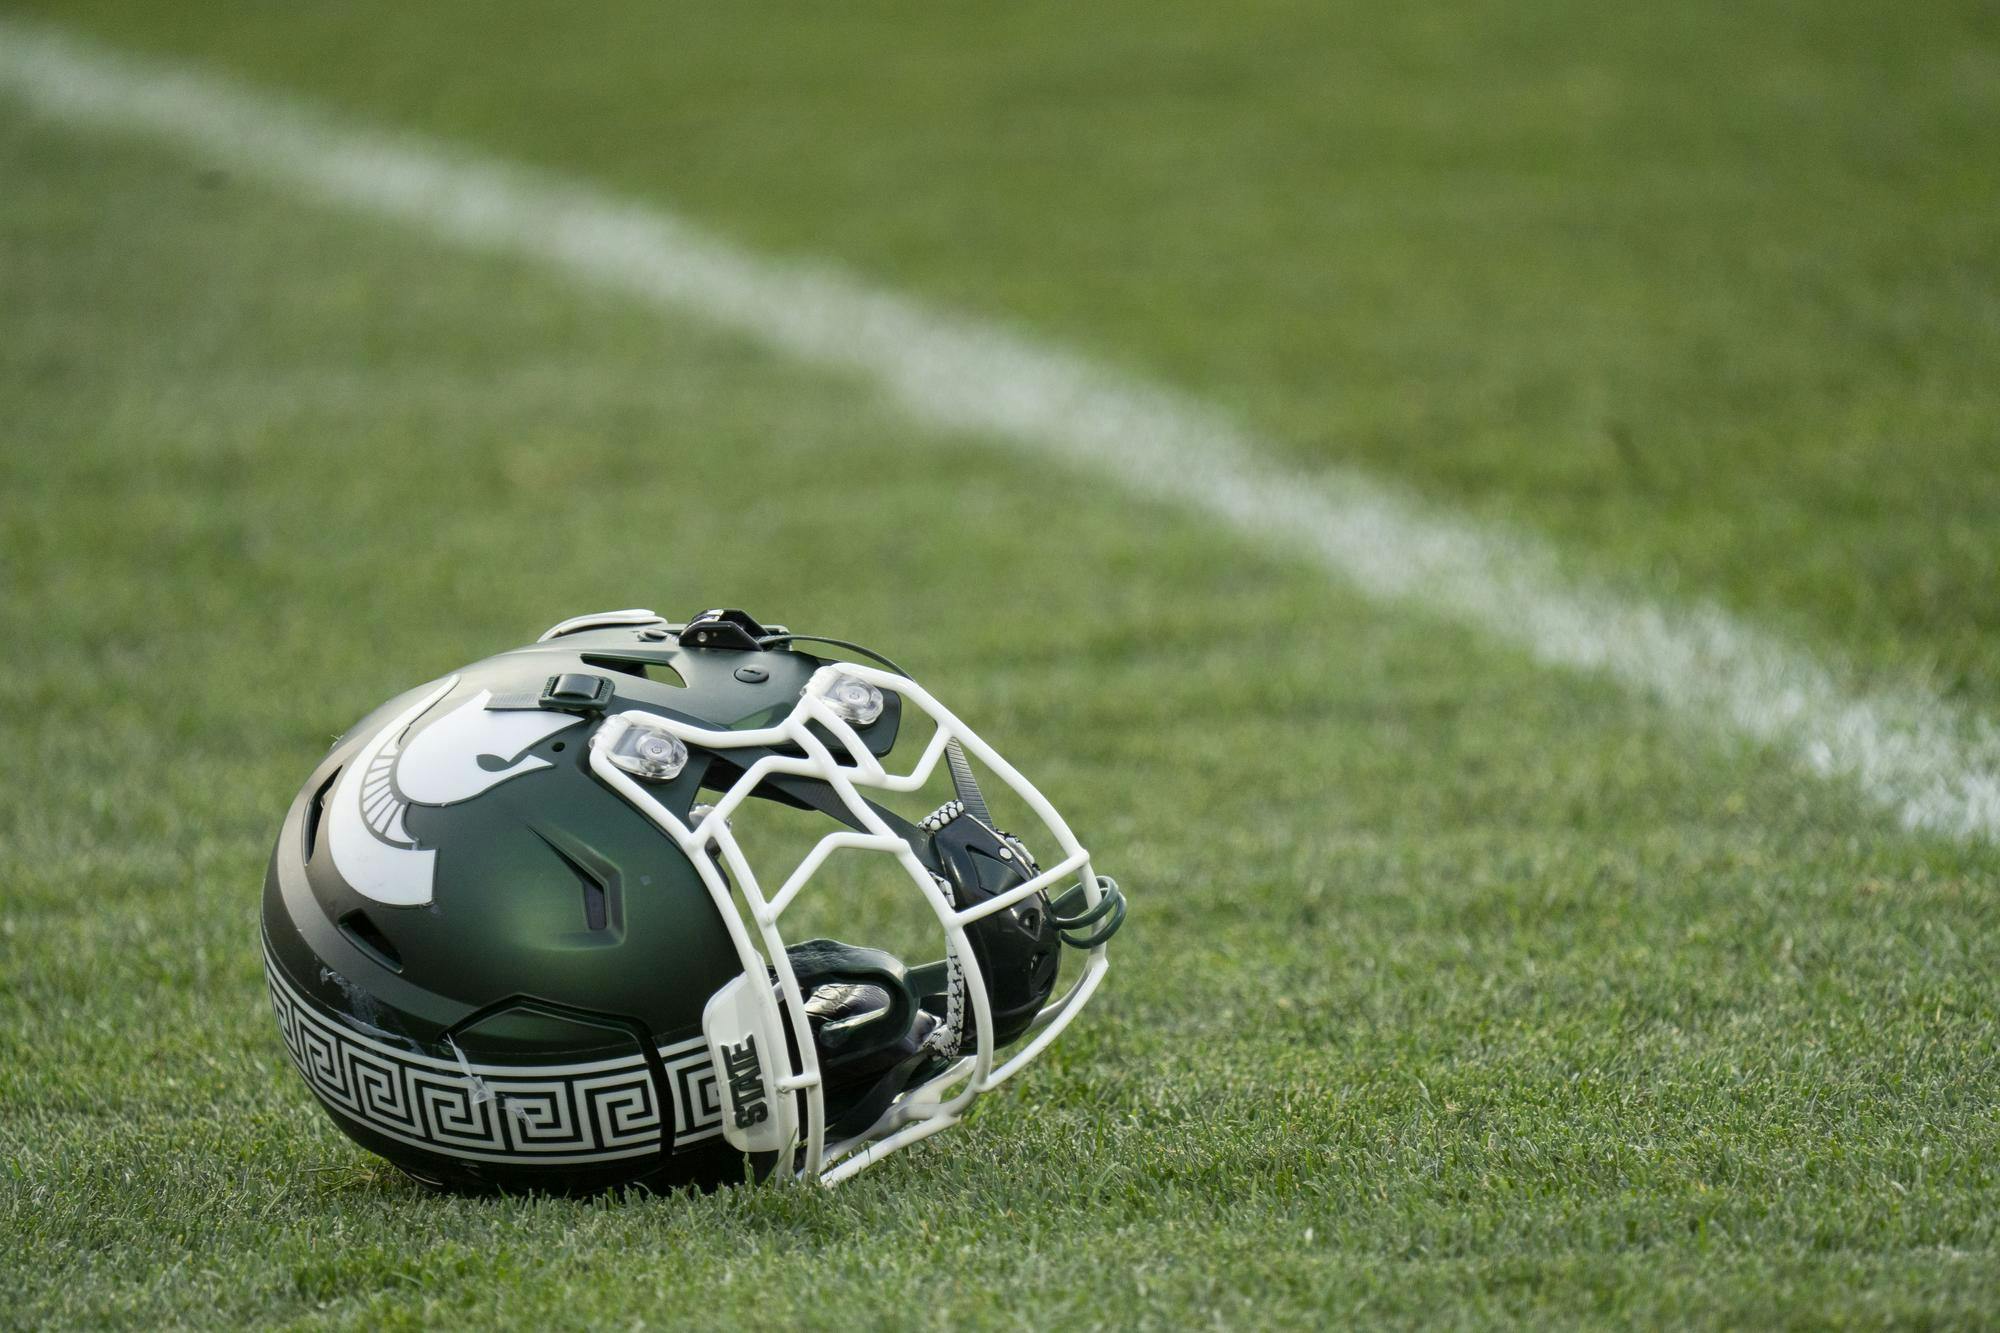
<point>490,968</point>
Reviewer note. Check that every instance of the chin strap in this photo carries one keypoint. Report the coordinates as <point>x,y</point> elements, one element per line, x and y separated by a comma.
<point>949,1034</point>
<point>964,783</point>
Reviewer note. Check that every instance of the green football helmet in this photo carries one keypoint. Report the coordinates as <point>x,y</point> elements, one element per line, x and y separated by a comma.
<point>515,940</point>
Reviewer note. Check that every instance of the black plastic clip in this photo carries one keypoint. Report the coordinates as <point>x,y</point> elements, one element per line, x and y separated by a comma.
<point>725,628</point>
<point>576,692</point>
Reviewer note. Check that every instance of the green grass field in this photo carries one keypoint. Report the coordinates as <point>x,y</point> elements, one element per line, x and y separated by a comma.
<point>1456,990</point>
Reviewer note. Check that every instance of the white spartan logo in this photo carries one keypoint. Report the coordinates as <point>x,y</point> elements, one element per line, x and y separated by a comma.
<point>441,765</point>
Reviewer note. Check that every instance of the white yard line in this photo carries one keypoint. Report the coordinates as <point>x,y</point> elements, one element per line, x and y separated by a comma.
<point>1936,767</point>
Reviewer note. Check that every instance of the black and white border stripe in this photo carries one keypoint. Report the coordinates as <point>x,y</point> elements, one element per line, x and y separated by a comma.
<point>602,1111</point>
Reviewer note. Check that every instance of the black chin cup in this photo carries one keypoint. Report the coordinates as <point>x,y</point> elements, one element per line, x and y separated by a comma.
<point>1017,948</point>
<point>868,1028</point>
<point>872,1017</point>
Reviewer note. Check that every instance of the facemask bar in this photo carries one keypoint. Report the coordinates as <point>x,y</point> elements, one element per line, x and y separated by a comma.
<point>713,850</point>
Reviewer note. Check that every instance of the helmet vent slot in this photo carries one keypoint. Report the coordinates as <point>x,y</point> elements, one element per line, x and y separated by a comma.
<point>595,913</point>
<point>596,895</point>
<point>643,668</point>
<point>315,812</point>
<point>366,936</point>
<point>596,880</point>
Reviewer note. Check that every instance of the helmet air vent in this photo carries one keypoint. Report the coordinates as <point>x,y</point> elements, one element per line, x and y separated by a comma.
<point>315,811</point>
<point>366,936</point>
<point>596,902</point>
<point>595,879</point>
<point>644,668</point>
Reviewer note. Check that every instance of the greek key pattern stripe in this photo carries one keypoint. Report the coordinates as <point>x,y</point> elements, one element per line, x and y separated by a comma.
<point>597,1112</point>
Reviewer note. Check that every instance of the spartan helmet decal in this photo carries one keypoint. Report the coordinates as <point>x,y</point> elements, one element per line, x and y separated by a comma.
<point>451,760</point>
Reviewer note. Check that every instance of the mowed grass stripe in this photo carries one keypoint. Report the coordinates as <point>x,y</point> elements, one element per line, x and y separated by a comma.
<point>1934,764</point>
